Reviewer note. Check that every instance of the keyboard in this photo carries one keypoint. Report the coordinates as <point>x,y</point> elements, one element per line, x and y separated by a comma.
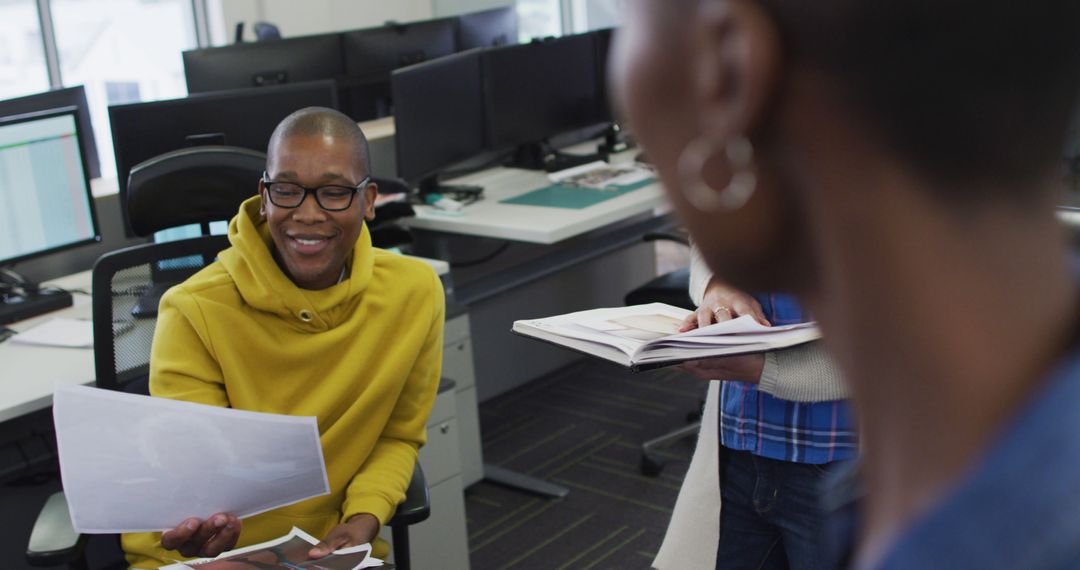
<point>15,308</point>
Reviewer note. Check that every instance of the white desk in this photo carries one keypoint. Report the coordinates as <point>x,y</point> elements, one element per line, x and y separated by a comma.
<point>534,224</point>
<point>30,374</point>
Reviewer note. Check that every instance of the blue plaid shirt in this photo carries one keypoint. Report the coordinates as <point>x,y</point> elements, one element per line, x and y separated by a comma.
<point>750,420</point>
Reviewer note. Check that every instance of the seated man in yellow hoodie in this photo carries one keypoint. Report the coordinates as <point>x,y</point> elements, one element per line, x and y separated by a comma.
<point>302,316</point>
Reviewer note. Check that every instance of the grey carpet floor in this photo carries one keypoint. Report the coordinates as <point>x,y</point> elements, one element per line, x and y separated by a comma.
<point>581,427</point>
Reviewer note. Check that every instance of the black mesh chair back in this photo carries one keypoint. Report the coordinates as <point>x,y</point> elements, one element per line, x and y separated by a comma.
<point>194,185</point>
<point>127,285</point>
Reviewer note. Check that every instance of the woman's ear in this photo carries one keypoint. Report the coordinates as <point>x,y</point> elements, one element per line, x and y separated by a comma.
<point>371,192</point>
<point>736,65</point>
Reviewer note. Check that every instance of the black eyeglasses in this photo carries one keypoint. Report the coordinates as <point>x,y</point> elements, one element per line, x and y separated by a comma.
<point>332,197</point>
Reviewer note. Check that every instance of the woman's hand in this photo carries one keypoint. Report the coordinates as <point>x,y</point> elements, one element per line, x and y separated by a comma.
<point>360,529</point>
<point>722,303</point>
<point>207,539</point>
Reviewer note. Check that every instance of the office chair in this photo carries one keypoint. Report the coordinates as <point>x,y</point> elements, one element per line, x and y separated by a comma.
<point>195,185</point>
<point>672,288</point>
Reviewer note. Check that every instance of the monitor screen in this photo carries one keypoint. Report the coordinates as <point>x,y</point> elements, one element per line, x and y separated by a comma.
<point>243,117</point>
<point>66,97</point>
<point>538,90</point>
<point>45,200</point>
<point>274,62</point>
<point>439,114</point>
<point>489,28</point>
<point>372,54</point>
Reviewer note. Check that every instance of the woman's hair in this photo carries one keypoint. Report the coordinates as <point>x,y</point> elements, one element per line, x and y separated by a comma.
<point>965,90</point>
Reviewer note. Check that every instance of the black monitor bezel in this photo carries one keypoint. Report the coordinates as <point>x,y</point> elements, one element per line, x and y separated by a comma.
<point>73,112</point>
<point>499,12</point>
<point>74,96</point>
<point>497,142</point>
<point>477,54</point>
<point>198,56</point>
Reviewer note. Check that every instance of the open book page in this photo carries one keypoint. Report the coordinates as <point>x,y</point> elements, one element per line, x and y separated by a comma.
<point>288,552</point>
<point>641,334</point>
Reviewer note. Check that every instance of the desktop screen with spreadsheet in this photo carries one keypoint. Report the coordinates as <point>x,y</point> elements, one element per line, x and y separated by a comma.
<point>45,200</point>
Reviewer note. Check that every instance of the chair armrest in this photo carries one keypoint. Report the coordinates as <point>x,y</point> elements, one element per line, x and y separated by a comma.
<point>417,505</point>
<point>53,541</point>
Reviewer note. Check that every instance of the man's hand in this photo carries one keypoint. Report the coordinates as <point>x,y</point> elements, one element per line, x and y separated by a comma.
<point>360,529</point>
<point>209,538</point>
<point>722,303</point>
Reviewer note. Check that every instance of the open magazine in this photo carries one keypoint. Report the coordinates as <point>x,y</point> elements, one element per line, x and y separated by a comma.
<point>643,337</point>
<point>287,552</point>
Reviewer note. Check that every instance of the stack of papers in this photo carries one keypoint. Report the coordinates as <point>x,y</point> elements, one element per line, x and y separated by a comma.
<point>135,463</point>
<point>66,333</point>
<point>288,552</point>
<point>600,175</point>
<point>643,337</point>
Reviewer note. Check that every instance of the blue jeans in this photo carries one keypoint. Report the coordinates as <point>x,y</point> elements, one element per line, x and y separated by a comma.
<point>770,517</point>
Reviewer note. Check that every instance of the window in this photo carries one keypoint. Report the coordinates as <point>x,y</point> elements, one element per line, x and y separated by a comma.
<point>22,52</point>
<point>122,51</point>
<point>539,18</point>
<point>590,15</point>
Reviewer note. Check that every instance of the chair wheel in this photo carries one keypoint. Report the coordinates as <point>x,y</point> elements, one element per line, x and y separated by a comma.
<point>650,466</point>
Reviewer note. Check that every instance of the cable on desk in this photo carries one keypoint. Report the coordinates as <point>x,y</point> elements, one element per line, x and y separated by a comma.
<point>473,262</point>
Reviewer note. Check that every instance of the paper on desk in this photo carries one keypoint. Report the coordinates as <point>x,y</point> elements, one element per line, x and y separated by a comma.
<point>600,175</point>
<point>135,463</point>
<point>67,333</point>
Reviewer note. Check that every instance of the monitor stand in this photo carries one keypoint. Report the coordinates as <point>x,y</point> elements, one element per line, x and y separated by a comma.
<point>540,156</point>
<point>20,299</point>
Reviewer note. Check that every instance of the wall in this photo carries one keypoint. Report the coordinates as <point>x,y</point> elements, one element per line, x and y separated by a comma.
<point>310,16</point>
<point>454,7</point>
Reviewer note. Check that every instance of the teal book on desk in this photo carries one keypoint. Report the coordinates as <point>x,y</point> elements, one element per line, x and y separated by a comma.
<point>573,197</point>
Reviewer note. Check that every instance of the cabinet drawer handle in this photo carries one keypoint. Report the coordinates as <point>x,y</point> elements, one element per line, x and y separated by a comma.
<point>445,428</point>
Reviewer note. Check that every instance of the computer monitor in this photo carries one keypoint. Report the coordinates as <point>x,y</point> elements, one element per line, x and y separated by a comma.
<point>55,99</point>
<point>292,60</point>
<point>372,54</point>
<point>45,200</point>
<point>243,117</point>
<point>538,90</point>
<point>488,28</point>
<point>438,116</point>
<point>602,42</point>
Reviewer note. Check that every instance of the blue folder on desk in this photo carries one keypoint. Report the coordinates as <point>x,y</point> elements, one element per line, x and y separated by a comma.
<point>573,197</point>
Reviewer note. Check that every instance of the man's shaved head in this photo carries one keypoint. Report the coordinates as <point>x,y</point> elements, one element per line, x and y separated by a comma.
<point>325,122</point>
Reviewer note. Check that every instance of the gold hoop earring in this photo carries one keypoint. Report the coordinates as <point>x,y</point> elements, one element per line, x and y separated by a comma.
<point>740,154</point>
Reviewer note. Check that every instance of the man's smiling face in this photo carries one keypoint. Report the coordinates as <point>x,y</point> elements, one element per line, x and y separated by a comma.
<point>312,244</point>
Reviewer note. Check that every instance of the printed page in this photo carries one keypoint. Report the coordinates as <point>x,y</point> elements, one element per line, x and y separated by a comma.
<point>288,552</point>
<point>66,333</point>
<point>135,463</point>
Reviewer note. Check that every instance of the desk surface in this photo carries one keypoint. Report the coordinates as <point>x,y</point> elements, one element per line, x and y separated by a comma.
<point>535,224</point>
<point>30,374</point>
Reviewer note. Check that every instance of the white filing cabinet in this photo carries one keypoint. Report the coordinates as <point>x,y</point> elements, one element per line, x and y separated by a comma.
<point>458,366</point>
<point>451,459</point>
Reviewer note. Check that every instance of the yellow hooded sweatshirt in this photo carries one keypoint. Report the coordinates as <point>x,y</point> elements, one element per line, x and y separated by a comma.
<point>363,356</point>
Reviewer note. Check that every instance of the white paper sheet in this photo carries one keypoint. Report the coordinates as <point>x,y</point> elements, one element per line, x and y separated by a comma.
<point>66,333</point>
<point>135,463</point>
<point>291,552</point>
